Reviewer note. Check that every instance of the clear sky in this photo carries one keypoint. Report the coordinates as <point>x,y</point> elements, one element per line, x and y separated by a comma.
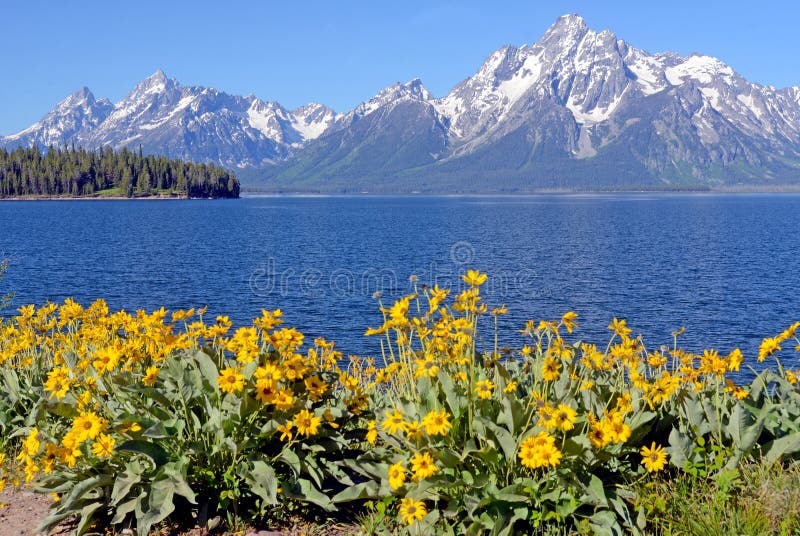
<point>342,52</point>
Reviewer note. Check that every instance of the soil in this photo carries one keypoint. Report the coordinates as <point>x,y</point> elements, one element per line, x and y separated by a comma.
<point>21,512</point>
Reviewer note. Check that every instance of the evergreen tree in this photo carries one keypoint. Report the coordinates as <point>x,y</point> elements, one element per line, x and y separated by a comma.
<point>75,172</point>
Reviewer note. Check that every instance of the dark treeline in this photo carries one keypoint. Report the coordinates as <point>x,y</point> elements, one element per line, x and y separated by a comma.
<point>71,172</point>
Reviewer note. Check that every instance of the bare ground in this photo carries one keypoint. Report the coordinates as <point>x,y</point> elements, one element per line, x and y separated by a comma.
<point>21,512</point>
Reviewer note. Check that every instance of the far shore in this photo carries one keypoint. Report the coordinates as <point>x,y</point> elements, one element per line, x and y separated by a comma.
<point>105,198</point>
<point>500,193</point>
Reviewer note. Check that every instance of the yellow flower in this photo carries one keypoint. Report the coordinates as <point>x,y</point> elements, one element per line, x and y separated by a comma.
<point>306,423</point>
<point>150,376</point>
<point>620,327</point>
<point>268,371</point>
<point>569,320</point>
<point>316,387</point>
<point>615,428</point>
<point>474,278</point>
<point>179,316</point>
<point>393,422</point>
<point>551,369</point>
<point>768,347</point>
<point>735,359</point>
<point>484,389</point>
<point>58,382</point>
<point>598,437</point>
<point>295,368</point>
<point>87,426</point>
<point>564,417</point>
<point>497,311</point>
<point>437,423</point>
<point>106,360</point>
<point>427,368</point>
<point>266,391</point>
<point>422,466</point>
<point>412,511</point>
<point>397,475</point>
<point>284,399</point>
<point>737,391</point>
<point>330,419</point>
<point>413,430</point>
<point>103,447</point>
<point>31,444</point>
<point>287,338</point>
<point>792,376</point>
<point>230,381</point>
<point>511,387</point>
<point>653,457</point>
<point>539,451</point>
<point>372,432</point>
<point>286,431</point>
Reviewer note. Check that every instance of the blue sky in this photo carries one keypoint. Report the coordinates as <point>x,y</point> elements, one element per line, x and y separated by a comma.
<point>341,53</point>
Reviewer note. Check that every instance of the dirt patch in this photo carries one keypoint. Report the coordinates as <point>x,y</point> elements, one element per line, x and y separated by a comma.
<point>22,511</point>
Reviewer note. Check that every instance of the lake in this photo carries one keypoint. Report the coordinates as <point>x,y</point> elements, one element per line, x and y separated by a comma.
<point>725,266</point>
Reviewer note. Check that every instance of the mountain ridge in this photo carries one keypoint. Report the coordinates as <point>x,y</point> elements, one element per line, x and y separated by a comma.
<point>578,109</point>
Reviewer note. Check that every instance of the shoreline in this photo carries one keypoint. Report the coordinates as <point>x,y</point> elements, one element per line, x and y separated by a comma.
<point>783,189</point>
<point>111,198</point>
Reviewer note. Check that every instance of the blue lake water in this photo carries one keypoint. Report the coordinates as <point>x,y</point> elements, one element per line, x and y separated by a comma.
<point>725,266</point>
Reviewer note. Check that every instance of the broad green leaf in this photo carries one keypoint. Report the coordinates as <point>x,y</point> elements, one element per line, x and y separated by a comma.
<point>125,481</point>
<point>304,490</point>
<point>364,490</point>
<point>596,492</point>
<point>784,446</point>
<point>680,448</point>
<point>262,481</point>
<point>507,441</point>
<point>207,368</point>
<point>153,451</point>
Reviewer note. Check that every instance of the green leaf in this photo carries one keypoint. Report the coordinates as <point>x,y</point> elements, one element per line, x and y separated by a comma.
<point>364,490</point>
<point>596,492</point>
<point>125,481</point>
<point>122,510</point>
<point>680,448</point>
<point>304,490</point>
<point>291,459</point>
<point>159,506</point>
<point>262,481</point>
<point>85,517</point>
<point>604,523</point>
<point>157,454</point>
<point>207,368</point>
<point>783,446</point>
<point>507,441</point>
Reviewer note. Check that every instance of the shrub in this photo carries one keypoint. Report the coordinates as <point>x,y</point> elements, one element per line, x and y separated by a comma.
<point>134,419</point>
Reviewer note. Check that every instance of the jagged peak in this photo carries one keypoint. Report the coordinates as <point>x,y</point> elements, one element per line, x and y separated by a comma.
<point>158,76</point>
<point>81,97</point>
<point>155,83</point>
<point>570,25</point>
<point>312,107</point>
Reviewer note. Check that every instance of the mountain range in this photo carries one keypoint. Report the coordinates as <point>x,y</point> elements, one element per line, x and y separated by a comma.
<point>578,109</point>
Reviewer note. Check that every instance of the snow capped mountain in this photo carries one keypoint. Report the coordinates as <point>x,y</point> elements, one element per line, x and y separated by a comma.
<point>77,113</point>
<point>312,120</point>
<point>188,122</point>
<point>592,74</point>
<point>578,108</point>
